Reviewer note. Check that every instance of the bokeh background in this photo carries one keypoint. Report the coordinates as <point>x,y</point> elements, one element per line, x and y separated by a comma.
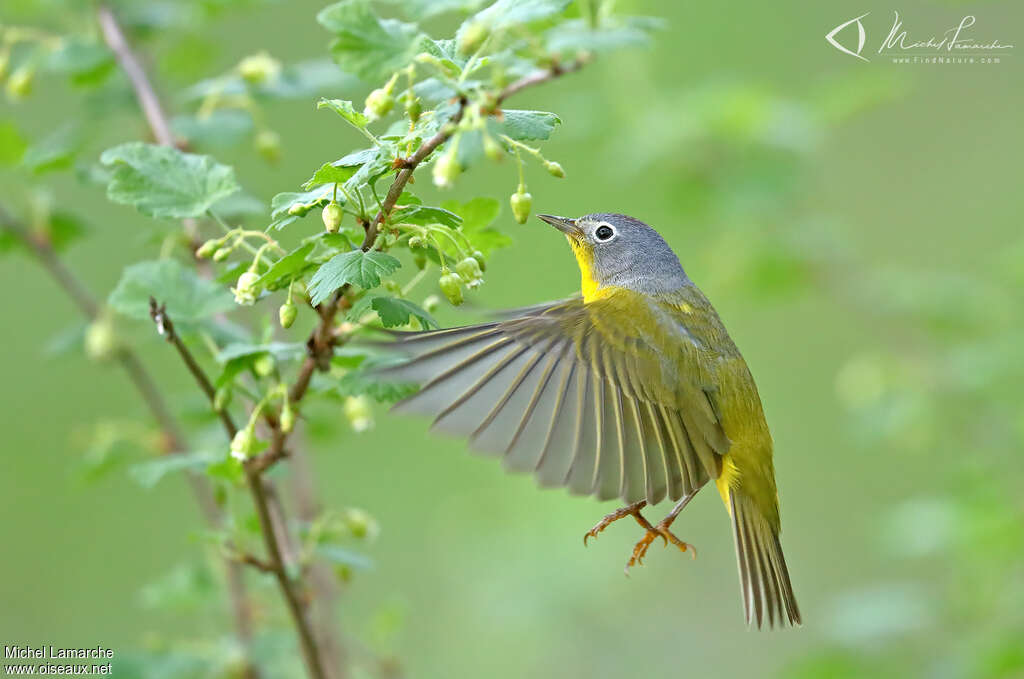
<point>858,227</point>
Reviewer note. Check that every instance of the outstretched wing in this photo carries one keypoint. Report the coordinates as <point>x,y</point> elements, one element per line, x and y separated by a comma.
<point>605,398</point>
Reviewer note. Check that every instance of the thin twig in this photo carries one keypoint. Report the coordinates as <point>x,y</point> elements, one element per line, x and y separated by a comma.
<point>272,524</point>
<point>174,438</point>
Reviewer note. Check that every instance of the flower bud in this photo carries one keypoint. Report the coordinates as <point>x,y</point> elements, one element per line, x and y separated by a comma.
<point>243,444</point>
<point>413,109</point>
<point>263,365</point>
<point>259,68</point>
<point>357,411</point>
<point>521,203</point>
<point>268,145</point>
<point>208,248</point>
<point>416,242</point>
<point>247,288</point>
<point>469,270</point>
<point>451,286</point>
<point>378,104</point>
<point>480,259</point>
<point>473,37</point>
<point>220,254</point>
<point>446,170</point>
<point>298,210</point>
<point>332,215</point>
<point>392,286</point>
<point>360,523</point>
<point>554,169</point>
<point>287,418</point>
<point>19,85</point>
<point>431,303</point>
<point>100,339</point>
<point>492,149</point>
<point>286,314</point>
<point>420,260</point>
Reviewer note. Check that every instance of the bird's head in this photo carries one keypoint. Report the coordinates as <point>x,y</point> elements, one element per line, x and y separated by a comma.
<point>617,251</point>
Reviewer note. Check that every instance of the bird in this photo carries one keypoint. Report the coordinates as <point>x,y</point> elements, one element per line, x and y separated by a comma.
<point>631,390</point>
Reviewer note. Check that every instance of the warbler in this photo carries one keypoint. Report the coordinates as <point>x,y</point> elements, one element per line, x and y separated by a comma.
<point>632,390</point>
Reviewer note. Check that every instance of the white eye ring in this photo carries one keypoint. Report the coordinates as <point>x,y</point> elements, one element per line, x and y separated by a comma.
<point>604,232</point>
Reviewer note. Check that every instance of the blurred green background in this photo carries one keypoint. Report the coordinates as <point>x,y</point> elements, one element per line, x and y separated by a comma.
<point>857,226</point>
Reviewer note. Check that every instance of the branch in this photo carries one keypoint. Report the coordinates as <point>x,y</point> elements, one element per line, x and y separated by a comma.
<point>174,439</point>
<point>264,498</point>
<point>129,63</point>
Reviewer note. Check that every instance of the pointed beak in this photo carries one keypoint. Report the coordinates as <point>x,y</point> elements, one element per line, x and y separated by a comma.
<point>563,224</point>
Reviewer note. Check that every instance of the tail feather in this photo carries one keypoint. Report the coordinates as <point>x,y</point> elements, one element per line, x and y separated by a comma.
<point>764,578</point>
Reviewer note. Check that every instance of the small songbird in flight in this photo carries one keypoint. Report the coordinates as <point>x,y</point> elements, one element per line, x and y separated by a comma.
<point>632,390</point>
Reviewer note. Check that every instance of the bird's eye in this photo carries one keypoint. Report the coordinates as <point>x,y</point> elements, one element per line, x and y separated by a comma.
<point>604,232</point>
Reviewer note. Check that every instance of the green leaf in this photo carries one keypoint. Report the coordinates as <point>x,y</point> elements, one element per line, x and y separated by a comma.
<point>525,125</point>
<point>511,13</point>
<point>345,109</point>
<point>288,267</point>
<point>426,9</point>
<point>394,312</point>
<point>578,35</point>
<point>329,173</point>
<point>298,204</point>
<point>12,144</point>
<point>160,181</point>
<point>283,351</point>
<point>221,129</point>
<point>356,267</point>
<point>477,216</point>
<point>424,214</point>
<point>365,45</point>
<point>86,62</point>
<point>54,151</point>
<point>151,472</point>
<point>188,297</point>
<point>344,556</point>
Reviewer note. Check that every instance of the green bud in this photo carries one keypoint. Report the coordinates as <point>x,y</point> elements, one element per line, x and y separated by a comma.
<point>360,524</point>
<point>480,259</point>
<point>554,169</point>
<point>392,286</point>
<point>259,68</point>
<point>416,242</point>
<point>220,254</point>
<point>222,397</point>
<point>413,108</point>
<point>492,149</point>
<point>100,339</point>
<point>263,365</point>
<point>473,37</point>
<point>268,145</point>
<point>286,314</point>
<point>431,304</point>
<point>332,215</point>
<point>247,288</point>
<point>298,210</point>
<point>357,411</point>
<point>521,203</point>
<point>378,104</point>
<point>19,85</point>
<point>451,287</point>
<point>446,170</point>
<point>287,418</point>
<point>208,248</point>
<point>469,270</point>
<point>420,260</point>
<point>243,444</point>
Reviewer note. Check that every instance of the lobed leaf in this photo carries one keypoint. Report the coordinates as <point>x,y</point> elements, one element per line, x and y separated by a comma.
<point>365,45</point>
<point>288,267</point>
<point>355,267</point>
<point>525,125</point>
<point>188,297</point>
<point>160,181</point>
<point>345,109</point>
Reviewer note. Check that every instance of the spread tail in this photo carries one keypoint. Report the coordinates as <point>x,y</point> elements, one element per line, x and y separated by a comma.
<point>764,578</point>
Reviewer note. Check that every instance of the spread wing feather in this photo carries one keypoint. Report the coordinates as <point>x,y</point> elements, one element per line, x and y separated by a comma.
<point>568,393</point>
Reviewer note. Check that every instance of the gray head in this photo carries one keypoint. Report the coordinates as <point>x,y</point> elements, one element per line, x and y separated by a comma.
<point>617,250</point>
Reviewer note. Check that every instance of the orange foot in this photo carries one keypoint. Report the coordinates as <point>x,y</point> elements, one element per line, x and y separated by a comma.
<point>659,531</point>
